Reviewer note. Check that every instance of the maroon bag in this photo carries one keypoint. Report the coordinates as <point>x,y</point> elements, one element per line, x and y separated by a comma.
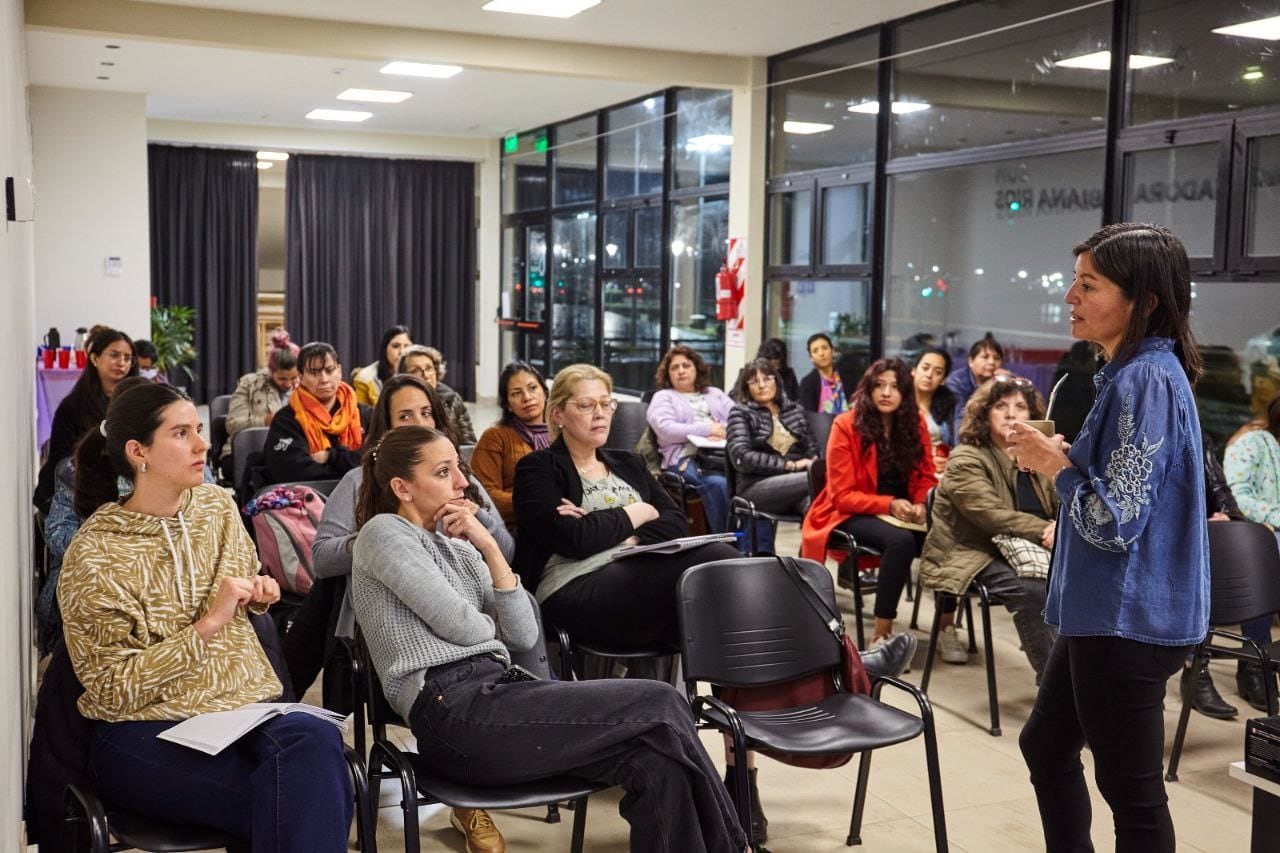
<point>811,688</point>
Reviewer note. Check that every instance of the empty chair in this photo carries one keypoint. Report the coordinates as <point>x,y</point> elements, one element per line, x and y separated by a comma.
<point>628,425</point>
<point>244,445</point>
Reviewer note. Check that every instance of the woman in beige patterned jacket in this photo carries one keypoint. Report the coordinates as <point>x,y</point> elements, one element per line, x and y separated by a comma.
<point>153,592</point>
<point>259,395</point>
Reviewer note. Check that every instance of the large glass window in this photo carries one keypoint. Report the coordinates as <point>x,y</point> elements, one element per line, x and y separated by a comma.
<point>1262,197</point>
<point>524,172</point>
<point>573,314</point>
<point>699,241</point>
<point>632,331</point>
<point>844,225</point>
<point>791,228</point>
<point>987,248</point>
<point>535,284</point>
<point>796,309</point>
<point>1177,188</point>
<point>617,249</point>
<point>574,161</point>
<point>1235,323</point>
<point>648,231</point>
<point>823,120</point>
<point>1193,57</point>
<point>634,149</point>
<point>1038,80</point>
<point>704,138</point>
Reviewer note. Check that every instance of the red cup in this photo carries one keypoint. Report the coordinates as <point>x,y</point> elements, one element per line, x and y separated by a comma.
<point>48,355</point>
<point>82,358</point>
<point>64,357</point>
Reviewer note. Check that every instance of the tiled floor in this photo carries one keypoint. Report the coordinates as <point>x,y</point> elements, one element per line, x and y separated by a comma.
<point>990,806</point>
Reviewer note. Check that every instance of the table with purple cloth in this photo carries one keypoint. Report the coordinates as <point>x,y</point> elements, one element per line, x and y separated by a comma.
<point>53,384</point>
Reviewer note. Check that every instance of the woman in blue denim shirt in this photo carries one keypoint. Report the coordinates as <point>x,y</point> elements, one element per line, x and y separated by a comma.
<point>1129,587</point>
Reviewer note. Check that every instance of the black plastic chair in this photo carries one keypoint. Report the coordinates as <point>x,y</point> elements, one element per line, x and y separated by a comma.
<point>847,574</point>
<point>571,670</point>
<point>820,428</point>
<point>419,785</point>
<point>244,444</point>
<point>628,425</point>
<point>745,510</point>
<point>745,623</point>
<point>89,825</point>
<point>218,408</point>
<point>1244,583</point>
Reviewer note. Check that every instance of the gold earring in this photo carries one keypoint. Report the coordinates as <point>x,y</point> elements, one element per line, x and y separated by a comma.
<point>143,469</point>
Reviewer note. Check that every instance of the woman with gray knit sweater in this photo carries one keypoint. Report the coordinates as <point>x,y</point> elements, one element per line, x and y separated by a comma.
<point>438,605</point>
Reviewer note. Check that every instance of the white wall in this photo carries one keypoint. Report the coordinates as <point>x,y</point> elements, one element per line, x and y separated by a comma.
<point>91,177</point>
<point>17,432</point>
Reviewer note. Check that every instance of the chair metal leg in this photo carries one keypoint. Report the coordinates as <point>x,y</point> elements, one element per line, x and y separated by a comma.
<point>1188,684</point>
<point>84,822</point>
<point>992,696</point>
<point>852,560</point>
<point>915,608</point>
<point>934,630</point>
<point>910,585</point>
<point>968,613</point>
<point>859,800</point>
<point>364,810</point>
<point>579,825</point>
<point>553,813</point>
<point>935,784</point>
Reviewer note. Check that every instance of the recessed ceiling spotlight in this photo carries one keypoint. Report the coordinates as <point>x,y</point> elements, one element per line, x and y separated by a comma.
<point>375,96</point>
<point>101,77</point>
<point>1267,29</point>
<point>108,64</point>
<point>805,128</point>
<point>420,69</point>
<point>545,8</point>
<point>265,164</point>
<point>896,107</point>
<point>273,155</point>
<point>112,47</point>
<point>1101,61</point>
<point>339,115</point>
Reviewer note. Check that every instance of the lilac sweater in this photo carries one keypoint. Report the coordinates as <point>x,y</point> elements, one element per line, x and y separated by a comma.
<point>671,417</point>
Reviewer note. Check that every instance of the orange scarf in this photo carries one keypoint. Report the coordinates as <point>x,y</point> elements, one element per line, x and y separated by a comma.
<point>318,423</point>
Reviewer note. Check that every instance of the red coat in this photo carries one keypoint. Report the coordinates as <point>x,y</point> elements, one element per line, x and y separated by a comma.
<point>853,475</point>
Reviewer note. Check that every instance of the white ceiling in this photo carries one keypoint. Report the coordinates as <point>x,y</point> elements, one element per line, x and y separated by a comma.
<point>738,27</point>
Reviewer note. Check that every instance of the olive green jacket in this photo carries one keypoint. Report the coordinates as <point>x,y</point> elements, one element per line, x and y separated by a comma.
<point>974,502</point>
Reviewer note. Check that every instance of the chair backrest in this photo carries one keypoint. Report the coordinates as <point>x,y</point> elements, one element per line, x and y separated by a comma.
<point>244,444</point>
<point>628,425</point>
<point>1244,572</point>
<point>820,429</point>
<point>928,508</point>
<point>743,622</point>
<point>219,406</point>
<point>323,487</point>
<point>817,477</point>
<point>465,452</point>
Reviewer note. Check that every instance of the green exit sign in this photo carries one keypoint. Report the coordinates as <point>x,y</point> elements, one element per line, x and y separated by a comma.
<point>540,144</point>
<point>510,144</point>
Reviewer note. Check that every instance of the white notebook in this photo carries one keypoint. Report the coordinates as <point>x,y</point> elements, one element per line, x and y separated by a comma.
<point>213,732</point>
<point>706,443</point>
<point>673,546</point>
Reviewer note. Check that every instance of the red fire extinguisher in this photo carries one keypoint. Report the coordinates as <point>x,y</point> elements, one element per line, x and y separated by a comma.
<point>728,293</point>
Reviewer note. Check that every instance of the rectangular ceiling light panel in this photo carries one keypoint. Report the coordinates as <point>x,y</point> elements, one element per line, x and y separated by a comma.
<point>421,69</point>
<point>545,8</point>
<point>339,115</point>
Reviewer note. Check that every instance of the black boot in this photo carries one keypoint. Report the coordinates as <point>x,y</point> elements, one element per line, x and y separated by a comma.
<point>1251,684</point>
<point>1204,695</point>
<point>759,823</point>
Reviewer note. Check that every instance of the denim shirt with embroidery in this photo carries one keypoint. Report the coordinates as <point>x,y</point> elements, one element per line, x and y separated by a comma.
<point>1133,558</point>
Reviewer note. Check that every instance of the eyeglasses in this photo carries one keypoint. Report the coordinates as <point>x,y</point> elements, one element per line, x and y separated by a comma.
<point>327,370</point>
<point>761,381</point>
<point>116,355</point>
<point>1015,381</point>
<point>586,405</point>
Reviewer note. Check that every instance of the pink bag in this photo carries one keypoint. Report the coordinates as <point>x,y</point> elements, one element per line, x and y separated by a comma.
<point>285,535</point>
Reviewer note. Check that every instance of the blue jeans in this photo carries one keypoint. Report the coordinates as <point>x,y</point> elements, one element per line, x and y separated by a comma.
<point>283,785</point>
<point>713,489</point>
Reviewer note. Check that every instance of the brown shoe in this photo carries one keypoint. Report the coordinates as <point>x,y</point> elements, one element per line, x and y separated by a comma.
<point>477,827</point>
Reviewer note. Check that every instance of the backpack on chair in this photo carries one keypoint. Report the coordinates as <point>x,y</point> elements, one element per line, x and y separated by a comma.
<point>284,526</point>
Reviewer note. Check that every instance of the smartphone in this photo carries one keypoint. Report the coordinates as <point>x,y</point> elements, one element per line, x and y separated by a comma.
<point>516,673</point>
<point>1045,427</point>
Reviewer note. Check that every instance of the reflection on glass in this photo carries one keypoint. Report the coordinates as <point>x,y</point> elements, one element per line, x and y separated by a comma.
<point>573,329</point>
<point>1019,84</point>
<point>512,293</point>
<point>1262,200</point>
<point>988,248</point>
<point>574,161</point>
<point>648,236</point>
<point>535,274</point>
<point>1235,323</point>
<point>524,173</point>
<point>1177,188</point>
<point>704,138</point>
<point>632,331</point>
<point>699,238</point>
<point>634,149</point>
<point>844,224</point>
<point>794,310</point>
<point>792,220</point>
<point>615,240</point>
<point>812,125</point>
<point>1211,72</point>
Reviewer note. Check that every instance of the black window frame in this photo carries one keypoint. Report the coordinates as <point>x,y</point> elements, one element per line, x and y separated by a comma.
<point>1241,263</point>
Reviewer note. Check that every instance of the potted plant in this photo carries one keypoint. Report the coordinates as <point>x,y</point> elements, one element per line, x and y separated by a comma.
<point>173,331</point>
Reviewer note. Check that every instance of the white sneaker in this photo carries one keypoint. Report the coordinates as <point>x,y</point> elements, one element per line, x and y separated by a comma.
<point>950,649</point>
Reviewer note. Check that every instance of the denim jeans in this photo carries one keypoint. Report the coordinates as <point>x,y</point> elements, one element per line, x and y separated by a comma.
<point>1106,692</point>
<point>783,494</point>
<point>1024,598</point>
<point>635,733</point>
<point>284,785</point>
<point>713,489</point>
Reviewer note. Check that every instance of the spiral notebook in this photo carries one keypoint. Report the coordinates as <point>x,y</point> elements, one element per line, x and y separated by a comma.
<point>213,732</point>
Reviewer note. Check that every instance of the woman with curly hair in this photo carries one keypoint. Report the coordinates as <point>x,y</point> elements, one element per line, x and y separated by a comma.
<point>878,464</point>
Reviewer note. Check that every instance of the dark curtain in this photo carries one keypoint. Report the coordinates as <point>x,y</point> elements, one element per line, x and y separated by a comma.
<point>372,243</point>
<point>204,254</point>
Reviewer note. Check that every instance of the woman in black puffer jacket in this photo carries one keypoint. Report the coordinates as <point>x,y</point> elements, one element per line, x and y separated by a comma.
<point>769,444</point>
